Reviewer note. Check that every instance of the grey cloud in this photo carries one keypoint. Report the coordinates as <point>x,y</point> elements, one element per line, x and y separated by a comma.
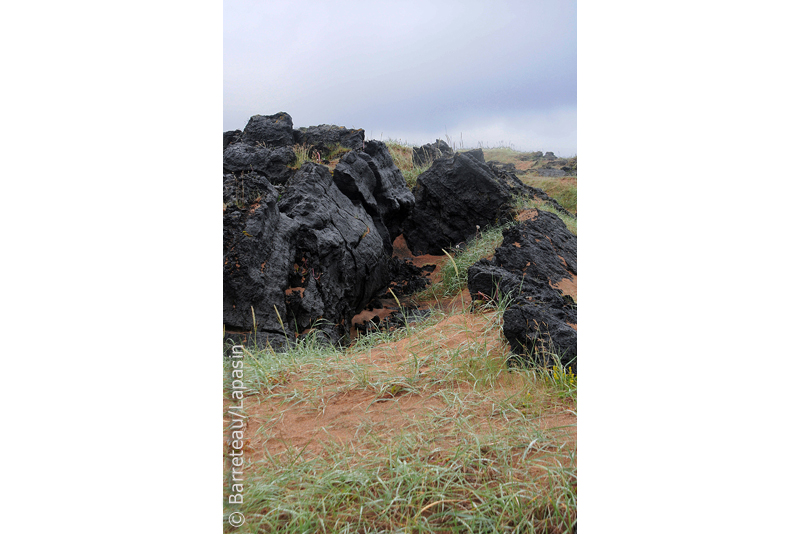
<point>393,66</point>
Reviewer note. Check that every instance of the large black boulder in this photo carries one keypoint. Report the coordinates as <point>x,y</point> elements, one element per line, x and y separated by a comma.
<point>534,258</point>
<point>271,162</point>
<point>325,136</point>
<point>269,130</point>
<point>425,154</point>
<point>309,259</point>
<point>455,196</point>
<point>258,248</point>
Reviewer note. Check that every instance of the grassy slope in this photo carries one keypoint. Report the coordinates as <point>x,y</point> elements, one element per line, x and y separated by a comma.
<point>423,429</point>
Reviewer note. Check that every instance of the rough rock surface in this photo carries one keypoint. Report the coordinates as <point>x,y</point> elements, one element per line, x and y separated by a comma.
<point>371,179</point>
<point>312,256</point>
<point>273,163</point>
<point>233,136</point>
<point>427,153</point>
<point>458,194</point>
<point>269,130</point>
<point>535,256</point>
<point>319,138</point>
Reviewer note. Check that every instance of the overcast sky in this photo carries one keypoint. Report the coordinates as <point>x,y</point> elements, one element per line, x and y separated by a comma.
<point>487,73</point>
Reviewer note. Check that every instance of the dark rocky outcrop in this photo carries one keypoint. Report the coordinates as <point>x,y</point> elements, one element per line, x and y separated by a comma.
<point>458,194</point>
<point>258,248</point>
<point>306,249</point>
<point>309,260</point>
<point>338,255</point>
<point>269,130</point>
<point>425,154</point>
<point>321,138</point>
<point>270,162</point>
<point>534,258</point>
<point>371,179</point>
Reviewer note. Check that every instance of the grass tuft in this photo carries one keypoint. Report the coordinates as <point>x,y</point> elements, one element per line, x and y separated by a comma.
<point>302,154</point>
<point>454,272</point>
<point>403,157</point>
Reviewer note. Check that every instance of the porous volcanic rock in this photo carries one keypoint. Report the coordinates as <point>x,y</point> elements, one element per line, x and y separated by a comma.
<point>427,153</point>
<point>269,130</point>
<point>457,195</point>
<point>241,157</point>
<point>319,138</point>
<point>535,256</point>
<point>233,136</point>
<point>371,179</point>
<point>258,248</point>
<point>310,259</point>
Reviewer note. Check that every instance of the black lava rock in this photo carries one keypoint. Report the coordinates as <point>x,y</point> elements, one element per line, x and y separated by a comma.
<point>309,260</point>
<point>534,257</point>
<point>270,162</point>
<point>320,138</point>
<point>371,179</point>
<point>269,130</point>
<point>455,196</point>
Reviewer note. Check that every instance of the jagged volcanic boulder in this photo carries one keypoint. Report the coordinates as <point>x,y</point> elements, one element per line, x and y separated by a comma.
<point>269,130</point>
<point>536,258</point>
<point>321,137</point>
<point>427,153</point>
<point>339,252</point>
<point>453,197</point>
<point>233,136</point>
<point>258,248</point>
<point>371,179</point>
<point>273,163</point>
<point>311,255</point>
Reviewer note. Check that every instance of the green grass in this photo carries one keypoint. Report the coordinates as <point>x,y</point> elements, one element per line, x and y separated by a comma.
<point>413,487</point>
<point>503,155</point>
<point>565,191</point>
<point>302,154</point>
<point>454,271</point>
<point>478,462</point>
<point>335,151</point>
